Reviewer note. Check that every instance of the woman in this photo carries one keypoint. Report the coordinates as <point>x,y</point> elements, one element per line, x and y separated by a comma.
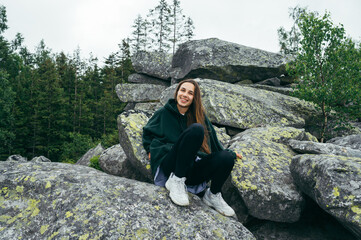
<point>184,151</point>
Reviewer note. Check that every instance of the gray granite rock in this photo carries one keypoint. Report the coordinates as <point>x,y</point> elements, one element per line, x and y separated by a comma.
<point>263,178</point>
<point>66,201</point>
<point>40,159</point>
<point>334,183</point>
<point>323,148</point>
<point>244,107</point>
<point>85,159</point>
<point>155,64</point>
<point>352,141</point>
<point>17,158</point>
<point>225,61</point>
<point>141,78</point>
<point>138,92</point>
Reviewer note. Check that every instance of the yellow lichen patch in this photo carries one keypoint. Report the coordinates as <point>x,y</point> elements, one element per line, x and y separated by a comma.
<point>43,229</point>
<point>68,214</point>
<point>157,207</point>
<point>19,189</point>
<point>32,179</point>
<point>100,213</point>
<point>356,209</point>
<point>350,197</point>
<point>48,184</point>
<point>148,166</point>
<point>4,218</point>
<point>84,237</point>
<point>142,232</point>
<point>33,207</point>
<point>336,193</point>
<point>53,235</point>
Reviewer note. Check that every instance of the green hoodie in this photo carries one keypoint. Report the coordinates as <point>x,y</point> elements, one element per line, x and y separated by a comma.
<point>163,130</point>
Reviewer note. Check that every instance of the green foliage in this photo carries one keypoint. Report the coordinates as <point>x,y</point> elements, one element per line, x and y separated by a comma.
<point>327,68</point>
<point>53,104</point>
<point>7,100</point>
<point>76,147</point>
<point>163,30</point>
<point>110,139</point>
<point>290,40</point>
<point>94,163</point>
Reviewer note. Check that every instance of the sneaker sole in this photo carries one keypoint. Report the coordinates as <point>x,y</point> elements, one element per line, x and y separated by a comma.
<point>210,205</point>
<point>175,201</point>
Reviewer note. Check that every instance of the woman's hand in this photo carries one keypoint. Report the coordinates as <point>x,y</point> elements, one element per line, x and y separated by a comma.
<point>149,156</point>
<point>239,156</point>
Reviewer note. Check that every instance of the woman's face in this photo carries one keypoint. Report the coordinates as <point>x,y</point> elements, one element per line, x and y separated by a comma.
<point>185,96</point>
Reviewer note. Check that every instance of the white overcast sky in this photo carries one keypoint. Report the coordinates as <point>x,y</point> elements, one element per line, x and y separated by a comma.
<point>98,26</point>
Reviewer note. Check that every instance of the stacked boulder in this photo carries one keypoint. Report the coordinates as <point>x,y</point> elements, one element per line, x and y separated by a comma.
<point>287,186</point>
<point>262,124</point>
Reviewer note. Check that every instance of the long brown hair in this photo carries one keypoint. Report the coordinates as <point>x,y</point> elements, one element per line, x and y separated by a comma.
<point>196,112</point>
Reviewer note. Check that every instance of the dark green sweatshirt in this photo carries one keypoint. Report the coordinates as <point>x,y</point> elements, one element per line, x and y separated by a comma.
<point>163,130</point>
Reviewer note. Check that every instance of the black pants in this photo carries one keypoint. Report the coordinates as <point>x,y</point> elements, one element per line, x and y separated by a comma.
<point>181,160</point>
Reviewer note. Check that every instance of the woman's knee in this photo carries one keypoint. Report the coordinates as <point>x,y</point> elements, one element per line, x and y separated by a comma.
<point>226,159</point>
<point>196,130</point>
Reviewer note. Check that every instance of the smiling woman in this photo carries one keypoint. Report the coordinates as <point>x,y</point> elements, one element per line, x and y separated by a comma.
<point>184,150</point>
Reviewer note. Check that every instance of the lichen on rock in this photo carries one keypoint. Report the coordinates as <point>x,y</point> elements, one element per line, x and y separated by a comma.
<point>65,201</point>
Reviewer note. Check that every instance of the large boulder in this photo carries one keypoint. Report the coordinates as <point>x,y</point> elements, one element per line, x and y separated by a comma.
<point>40,159</point>
<point>64,201</point>
<point>130,126</point>
<point>352,141</point>
<point>244,107</point>
<point>138,92</point>
<point>263,178</point>
<point>155,64</point>
<point>334,183</point>
<point>85,159</point>
<point>323,148</point>
<point>144,79</point>
<point>225,61</point>
<point>17,158</point>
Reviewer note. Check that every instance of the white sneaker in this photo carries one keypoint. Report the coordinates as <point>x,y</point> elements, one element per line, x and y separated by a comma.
<point>216,201</point>
<point>177,190</point>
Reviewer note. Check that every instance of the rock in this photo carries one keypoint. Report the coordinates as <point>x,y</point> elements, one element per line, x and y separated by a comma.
<point>334,183</point>
<point>225,61</point>
<point>244,107</point>
<point>130,126</point>
<point>138,92</point>
<point>17,158</point>
<point>323,148</point>
<point>141,78</point>
<point>244,82</point>
<point>40,159</point>
<point>282,90</point>
<point>150,106</point>
<point>271,82</point>
<point>263,178</point>
<point>114,161</point>
<point>65,201</point>
<point>155,64</point>
<point>352,141</point>
<point>85,159</point>
<point>222,136</point>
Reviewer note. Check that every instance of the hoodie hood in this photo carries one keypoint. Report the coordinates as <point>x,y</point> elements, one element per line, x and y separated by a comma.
<point>171,105</point>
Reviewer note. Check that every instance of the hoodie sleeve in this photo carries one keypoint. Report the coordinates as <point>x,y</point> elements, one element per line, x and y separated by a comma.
<point>150,130</point>
<point>216,146</point>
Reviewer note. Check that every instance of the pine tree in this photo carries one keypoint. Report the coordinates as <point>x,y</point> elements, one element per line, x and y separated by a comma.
<point>7,100</point>
<point>160,19</point>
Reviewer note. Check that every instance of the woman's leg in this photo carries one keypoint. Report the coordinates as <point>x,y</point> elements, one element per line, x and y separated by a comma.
<point>216,167</point>
<point>181,158</point>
